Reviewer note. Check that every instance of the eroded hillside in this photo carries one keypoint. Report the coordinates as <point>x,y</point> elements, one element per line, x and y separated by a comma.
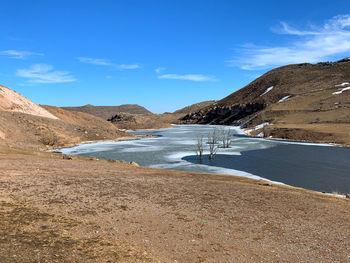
<point>12,101</point>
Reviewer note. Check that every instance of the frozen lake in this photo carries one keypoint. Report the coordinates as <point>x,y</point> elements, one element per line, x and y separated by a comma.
<point>312,166</point>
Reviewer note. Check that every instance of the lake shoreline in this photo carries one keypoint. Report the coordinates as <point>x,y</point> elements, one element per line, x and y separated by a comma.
<point>208,169</point>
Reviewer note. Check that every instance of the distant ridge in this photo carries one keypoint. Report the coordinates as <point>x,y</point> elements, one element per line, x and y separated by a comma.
<point>107,112</point>
<point>195,107</point>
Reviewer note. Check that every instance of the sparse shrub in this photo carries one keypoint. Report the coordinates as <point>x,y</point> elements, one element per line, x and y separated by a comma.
<point>49,138</point>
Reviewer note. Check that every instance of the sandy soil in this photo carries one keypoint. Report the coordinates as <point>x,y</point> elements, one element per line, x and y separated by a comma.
<point>82,210</point>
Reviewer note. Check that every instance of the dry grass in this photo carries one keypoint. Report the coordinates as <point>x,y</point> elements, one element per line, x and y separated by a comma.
<point>154,215</point>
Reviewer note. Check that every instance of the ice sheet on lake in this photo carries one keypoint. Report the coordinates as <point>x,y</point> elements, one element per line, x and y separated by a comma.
<point>169,149</point>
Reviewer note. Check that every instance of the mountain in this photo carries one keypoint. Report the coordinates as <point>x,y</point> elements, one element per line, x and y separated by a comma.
<point>130,121</point>
<point>106,112</point>
<point>12,101</point>
<point>24,124</point>
<point>195,107</point>
<point>308,102</point>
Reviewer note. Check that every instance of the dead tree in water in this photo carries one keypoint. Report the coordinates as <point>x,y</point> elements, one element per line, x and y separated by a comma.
<point>199,148</point>
<point>212,137</point>
<point>212,141</point>
<point>226,138</point>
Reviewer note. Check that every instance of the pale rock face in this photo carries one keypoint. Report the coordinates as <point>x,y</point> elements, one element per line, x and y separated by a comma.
<point>2,135</point>
<point>15,102</point>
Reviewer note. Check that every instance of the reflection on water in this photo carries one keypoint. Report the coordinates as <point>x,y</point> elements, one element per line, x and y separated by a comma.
<point>304,165</point>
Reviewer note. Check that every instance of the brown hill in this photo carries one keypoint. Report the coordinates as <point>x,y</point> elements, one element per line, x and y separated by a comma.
<point>28,131</point>
<point>303,102</point>
<point>106,112</point>
<point>195,107</point>
<point>12,101</point>
<point>24,124</point>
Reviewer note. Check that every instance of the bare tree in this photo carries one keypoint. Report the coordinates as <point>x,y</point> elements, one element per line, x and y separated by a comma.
<point>212,137</point>
<point>212,150</point>
<point>199,148</point>
<point>226,138</point>
<point>212,141</point>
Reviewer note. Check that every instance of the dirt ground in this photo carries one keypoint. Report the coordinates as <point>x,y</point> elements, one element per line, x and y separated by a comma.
<point>82,210</point>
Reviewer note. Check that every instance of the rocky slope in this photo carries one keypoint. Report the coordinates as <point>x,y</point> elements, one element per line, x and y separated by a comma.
<point>106,112</point>
<point>304,102</point>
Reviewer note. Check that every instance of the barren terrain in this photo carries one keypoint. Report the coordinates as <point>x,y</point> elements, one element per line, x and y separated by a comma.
<point>88,210</point>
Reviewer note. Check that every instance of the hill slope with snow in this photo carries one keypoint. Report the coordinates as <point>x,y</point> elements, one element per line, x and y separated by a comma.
<point>308,102</point>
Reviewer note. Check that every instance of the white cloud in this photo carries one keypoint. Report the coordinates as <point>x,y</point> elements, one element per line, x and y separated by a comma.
<point>192,77</point>
<point>159,70</point>
<point>43,73</point>
<point>314,45</point>
<point>95,61</point>
<point>19,54</point>
<point>129,66</point>
<point>105,62</point>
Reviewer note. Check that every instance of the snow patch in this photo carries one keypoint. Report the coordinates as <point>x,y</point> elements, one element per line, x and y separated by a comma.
<point>262,125</point>
<point>341,91</point>
<point>257,127</point>
<point>267,90</point>
<point>284,98</point>
<point>343,84</point>
<point>261,134</point>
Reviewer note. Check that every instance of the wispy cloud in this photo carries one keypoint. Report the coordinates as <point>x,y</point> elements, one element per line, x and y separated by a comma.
<point>159,70</point>
<point>19,54</point>
<point>105,62</point>
<point>192,77</point>
<point>128,66</point>
<point>313,45</point>
<point>43,73</point>
<point>95,61</point>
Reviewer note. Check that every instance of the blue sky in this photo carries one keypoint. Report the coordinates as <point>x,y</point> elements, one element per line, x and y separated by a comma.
<point>160,54</point>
